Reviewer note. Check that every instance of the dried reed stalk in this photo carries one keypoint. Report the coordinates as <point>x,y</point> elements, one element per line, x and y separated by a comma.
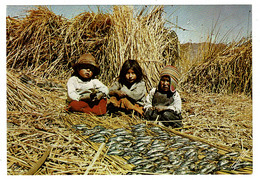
<point>230,71</point>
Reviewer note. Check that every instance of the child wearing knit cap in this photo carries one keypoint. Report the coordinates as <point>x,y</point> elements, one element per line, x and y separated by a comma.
<point>164,102</point>
<point>85,93</point>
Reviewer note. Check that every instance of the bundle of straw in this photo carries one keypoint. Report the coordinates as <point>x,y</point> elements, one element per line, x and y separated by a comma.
<point>230,71</point>
<point>143,38</point>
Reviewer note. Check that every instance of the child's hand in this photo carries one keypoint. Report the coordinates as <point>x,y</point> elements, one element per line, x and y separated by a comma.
<point>121,93</point>
<point>160,108</point>
<point>99,95</point>
<point>85,97</point>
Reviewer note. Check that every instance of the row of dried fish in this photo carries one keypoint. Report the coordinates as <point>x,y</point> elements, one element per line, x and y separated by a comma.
<point>153,150</point>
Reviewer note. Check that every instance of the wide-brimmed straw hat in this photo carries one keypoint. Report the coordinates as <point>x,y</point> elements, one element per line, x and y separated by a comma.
<point>87,59</point>
<point>174,75</point>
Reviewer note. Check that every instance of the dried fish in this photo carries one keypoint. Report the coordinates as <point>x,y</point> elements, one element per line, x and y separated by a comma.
<point>88,132</point>
<point>241,165</point>
<point>79,126</point>
<point>223,163</point>
<point>116,152</point>
<point>185,148</point>
<point>208,169</point>
<point>176,145</point>
<point>155,150</point>
<point>138,126</point>
<point>233,154</point>
<point>158,154</point>
<point>116,147</point>
<point>139,130</point>
<point>155,129</point>
<point>121,133</point>
<point>119,129</point>
<point>106,132</point>
<point>134,159</point>
<point>204,146</point>
<point>182,140</point>
<point>99,140</point>
<point>116,138</point>
<point>95,136</point>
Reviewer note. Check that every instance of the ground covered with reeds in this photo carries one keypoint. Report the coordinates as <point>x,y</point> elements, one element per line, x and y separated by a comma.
<point>216,90</point>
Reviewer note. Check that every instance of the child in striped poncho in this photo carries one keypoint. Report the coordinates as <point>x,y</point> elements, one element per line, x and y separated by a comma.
<point>164,102</point>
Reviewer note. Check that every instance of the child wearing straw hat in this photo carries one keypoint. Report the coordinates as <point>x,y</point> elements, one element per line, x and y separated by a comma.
<point>128,93</point>
<point>85,93</point>
<point>164,102</point>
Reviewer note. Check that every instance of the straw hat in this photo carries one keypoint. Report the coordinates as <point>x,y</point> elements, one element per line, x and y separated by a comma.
<point>87,59</point>
<point>174,75</point>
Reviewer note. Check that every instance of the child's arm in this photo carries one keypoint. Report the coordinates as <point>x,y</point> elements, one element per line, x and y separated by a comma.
<point>71,89</point>
<point>114,90</point>
<point>176,105</point>
<point>148,100</point>
<point>137,93</point>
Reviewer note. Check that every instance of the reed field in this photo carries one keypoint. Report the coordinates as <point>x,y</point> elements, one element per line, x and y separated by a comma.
<point>215,86</point>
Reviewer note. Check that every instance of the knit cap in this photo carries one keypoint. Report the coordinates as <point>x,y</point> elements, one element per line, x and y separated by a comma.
<point>87,59</point>
<point>174,75</point>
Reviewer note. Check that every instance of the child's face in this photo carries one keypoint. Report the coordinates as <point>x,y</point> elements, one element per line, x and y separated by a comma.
<point>165,83</point>
<point>130,76</point>
<point>85,72</point>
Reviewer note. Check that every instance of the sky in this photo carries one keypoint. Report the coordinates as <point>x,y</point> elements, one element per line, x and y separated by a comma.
<point>196,21</point>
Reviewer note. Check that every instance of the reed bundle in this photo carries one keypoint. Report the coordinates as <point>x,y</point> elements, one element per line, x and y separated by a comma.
<point>143,38</point>
<point>230,71</point>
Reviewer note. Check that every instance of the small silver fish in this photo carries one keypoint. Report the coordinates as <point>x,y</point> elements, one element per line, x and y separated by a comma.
<point>134,159</point>
<point>119,129</point>
<point>99,140</point>
<point>140,149</point>
<point>128,136</point>
<point>185,148</point>
<point>139,129</point>
<point>154,150</point>
<point>183,140</point>
<point>138,126</point>
<point>155,129</point>
<point>121,133</point>
<point>106,132</point>
<point>139,144</point>
<point>79,126</point>
<point>95,136</point>
<point>88,132</point>
<point>236,154</point>
<point>116,152</point>
<point>99,127</point>
<point>158,154</point>
<point>176,145</point>
<point>117,138</point>
<point>208,169</point>
<point>116,147</point>
<point>144,141</point>
<point>140,162</point>
<point>204,146</point>
<point>223,162</point>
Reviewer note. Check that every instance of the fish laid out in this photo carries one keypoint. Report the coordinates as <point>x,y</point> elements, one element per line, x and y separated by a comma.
<point>155,151</point>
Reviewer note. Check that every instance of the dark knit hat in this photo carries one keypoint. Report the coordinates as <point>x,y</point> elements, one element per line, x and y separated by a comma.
<point>87,59</point>
<point>174,75</point>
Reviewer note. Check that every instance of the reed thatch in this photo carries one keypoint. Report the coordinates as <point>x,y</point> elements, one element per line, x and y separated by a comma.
<point>47,44</point>
<point>229,71</point>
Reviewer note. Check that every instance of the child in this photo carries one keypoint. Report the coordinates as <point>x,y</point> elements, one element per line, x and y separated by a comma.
<point>128,93</point>
<point>164,102</point>
<point>85,93</point>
